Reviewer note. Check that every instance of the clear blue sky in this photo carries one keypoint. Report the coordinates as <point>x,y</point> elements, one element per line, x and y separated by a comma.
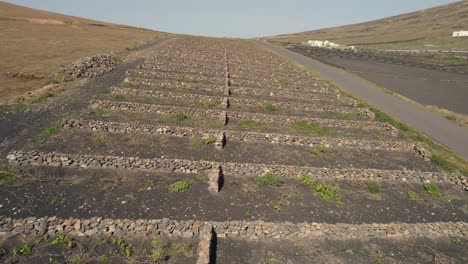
<point>235,18</point>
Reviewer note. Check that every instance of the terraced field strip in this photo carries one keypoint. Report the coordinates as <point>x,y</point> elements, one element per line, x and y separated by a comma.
<point>297,106</point>
<point>245,136</point>
<point>164,109</point>
<point>147,84</point>
<point>148,228</point>
<point>228,168</point>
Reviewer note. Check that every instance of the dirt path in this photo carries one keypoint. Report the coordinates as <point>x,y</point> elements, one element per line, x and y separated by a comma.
<point>436,127</point>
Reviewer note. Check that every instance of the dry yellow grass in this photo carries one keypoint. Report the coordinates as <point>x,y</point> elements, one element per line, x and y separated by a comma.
<point>421,29</point>
<point>39,41</point>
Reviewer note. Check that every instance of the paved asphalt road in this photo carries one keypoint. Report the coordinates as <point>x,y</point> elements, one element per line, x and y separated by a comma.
<point>440,129</point>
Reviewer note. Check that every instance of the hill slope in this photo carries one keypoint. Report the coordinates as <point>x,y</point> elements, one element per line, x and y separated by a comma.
<point>426,28</point>
<point>38,41</point>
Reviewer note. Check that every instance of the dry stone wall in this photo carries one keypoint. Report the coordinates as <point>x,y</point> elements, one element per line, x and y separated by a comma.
<point>153,108</point>
<point>246,136</point>
<point>228,168</point>
<point>148,228</point>
<point>297,106</point>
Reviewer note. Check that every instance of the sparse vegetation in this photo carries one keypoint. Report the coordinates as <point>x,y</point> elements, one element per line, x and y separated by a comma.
<point>432,189</point>
<point>305,126</point>
<point>119,97</point>
<point>178,116</point>
<point>413,196</point>
<point>26,249</point>
<point>63,240</point>
<point>326,191</point>
<point>180,186</point>
<point>271,107</point>
<point>316,151</point>
<point>248,213</point>
<point>52,130</point>
<point>209,140</point>
<point>253,125</point>
<point>149,183</point>
<point>100,139</point>
<point>166,251</point>
<point>127,248</point>
<point>6,178</point>
<point>42,97</point>
<point>61,77</point>
<point>269,179</point>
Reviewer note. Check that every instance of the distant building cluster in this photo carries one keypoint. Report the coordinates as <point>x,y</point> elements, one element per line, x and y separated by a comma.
<point>461,33</point>
<point>327,44</point>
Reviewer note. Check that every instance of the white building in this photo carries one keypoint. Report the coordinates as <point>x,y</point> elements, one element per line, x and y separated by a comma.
<point>322,44</point>
<point>461,33</point>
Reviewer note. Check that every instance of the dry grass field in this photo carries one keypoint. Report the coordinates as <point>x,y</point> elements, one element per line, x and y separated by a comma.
<point>38,41</point>
<point>429,29</point>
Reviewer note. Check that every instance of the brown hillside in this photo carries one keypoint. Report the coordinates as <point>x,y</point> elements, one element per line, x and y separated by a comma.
<point>38,41</point>
<point>428,27</point>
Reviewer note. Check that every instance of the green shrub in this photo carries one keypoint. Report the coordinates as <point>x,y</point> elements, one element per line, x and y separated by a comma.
<point>372,187</point>
<point>269,179</point>
<point>180,186</point>
<point>432,189</point>
<point>209,140</point>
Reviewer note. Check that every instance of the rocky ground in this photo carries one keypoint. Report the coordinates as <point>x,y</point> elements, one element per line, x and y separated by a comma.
<point>201,150</point>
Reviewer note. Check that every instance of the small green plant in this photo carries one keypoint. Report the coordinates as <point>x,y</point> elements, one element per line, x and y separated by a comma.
<point>56,199</point>
<point>63,240</point>
<point>317,151</point>
<point>179,116</point>
<point>6,178</point>
<point>271,107</point>
<point>25,250</point>
<point>119,97</point>
<point>52,130</point>
<point>42,98</point>
<point>269,179</point>
<point>196,145</point>
<point>43,238</point>
<point>413,196</point>
<point>209,140</point>
<point>105,258</point>
<point>149,183</point>
<point>284,82</point>
<point>127,248</point>
<point>326,191</point>
<point>253,125</point>
<point>456,241</point>
<point>180,186</point>
<point>277,206</point>
<point>248,213</point>
<point>432,189</point>
<point>305,126</point>
<point>372,187</point>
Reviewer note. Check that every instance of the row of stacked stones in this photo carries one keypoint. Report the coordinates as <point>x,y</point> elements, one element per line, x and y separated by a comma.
<point>234,169</point>
<point>165,109</point>
<point>297,106</point>
<point>90,67</point>
<point>100,227</point>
